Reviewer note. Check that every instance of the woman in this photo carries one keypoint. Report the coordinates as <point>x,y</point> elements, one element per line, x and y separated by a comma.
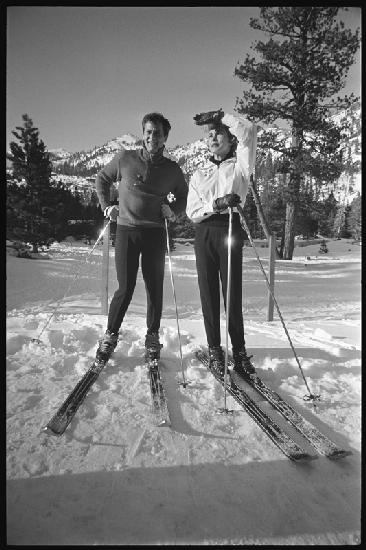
<point>212,191</point>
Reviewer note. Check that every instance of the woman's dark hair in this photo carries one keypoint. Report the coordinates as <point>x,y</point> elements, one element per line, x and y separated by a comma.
<point>157,118</point>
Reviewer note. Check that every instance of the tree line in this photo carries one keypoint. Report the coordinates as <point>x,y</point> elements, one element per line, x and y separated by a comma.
<point>77,169</point>
<point>40,210</point>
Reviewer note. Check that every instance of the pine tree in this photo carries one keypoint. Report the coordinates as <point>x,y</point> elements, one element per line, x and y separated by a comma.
<point>30,160</point>
<point>304,65</point>
<point>308,215</point>
<point>355,218</point>
<point>323,247</point>
<point>327,215</point>
<point>38,209</point>
<point>346,231</point>
<point>251,217</point>
<point>31,163</point>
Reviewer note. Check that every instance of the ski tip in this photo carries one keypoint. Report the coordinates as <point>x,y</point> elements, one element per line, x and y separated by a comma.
<point>341,453</point>
<point>303,457</point>
<point>49,431</point>
<point>164,424</point>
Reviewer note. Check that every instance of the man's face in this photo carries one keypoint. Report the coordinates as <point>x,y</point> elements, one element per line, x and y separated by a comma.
<point>153,137</point>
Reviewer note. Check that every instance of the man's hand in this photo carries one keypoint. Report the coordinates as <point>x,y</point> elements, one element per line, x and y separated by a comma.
<point>211,117</point>
<point>227,201</point>
<point>111,212</point>
<point>167,212</point>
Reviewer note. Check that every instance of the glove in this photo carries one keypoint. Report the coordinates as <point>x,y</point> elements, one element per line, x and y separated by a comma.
<point>111,212</point>
<point>229,200</point>
<point>211,117</point>
<point>167,212</point>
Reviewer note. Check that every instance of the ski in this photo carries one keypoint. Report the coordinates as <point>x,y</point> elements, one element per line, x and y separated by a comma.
<point>320,442</point>
<point>59,422</point>
<point>280,438</point>
<point>159,407</point>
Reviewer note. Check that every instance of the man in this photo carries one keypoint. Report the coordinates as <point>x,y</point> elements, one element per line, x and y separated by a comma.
<point>213,189</point>
<point>145,177</point>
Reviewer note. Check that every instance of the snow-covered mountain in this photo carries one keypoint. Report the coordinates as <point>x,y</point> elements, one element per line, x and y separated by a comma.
<point>98,156</point>
<point>58,154</point>
<point>86,164</point>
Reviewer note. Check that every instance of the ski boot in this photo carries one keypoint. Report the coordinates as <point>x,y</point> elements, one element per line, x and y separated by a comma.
<point>217,360</point>
<point>242,363</point>
<point>152,348</point>
<point>107,345</point>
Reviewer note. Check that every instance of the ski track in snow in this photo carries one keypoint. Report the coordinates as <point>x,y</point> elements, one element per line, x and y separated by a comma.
<point>212,478</point>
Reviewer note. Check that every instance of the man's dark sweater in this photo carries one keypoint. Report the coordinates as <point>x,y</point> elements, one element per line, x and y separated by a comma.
<point>144,181</point>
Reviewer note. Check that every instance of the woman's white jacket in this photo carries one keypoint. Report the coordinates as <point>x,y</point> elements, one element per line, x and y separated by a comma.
<point>230,176</point>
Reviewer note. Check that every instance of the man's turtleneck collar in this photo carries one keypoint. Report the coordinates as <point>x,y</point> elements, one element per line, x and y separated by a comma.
<point>155,157</point>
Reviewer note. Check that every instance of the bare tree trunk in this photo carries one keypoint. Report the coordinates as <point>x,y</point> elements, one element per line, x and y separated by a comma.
<point>261,214</point>
<point>289,243</point>
<point>293,195</point>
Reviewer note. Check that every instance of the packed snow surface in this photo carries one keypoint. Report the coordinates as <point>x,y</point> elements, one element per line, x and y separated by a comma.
<point>115,478</point>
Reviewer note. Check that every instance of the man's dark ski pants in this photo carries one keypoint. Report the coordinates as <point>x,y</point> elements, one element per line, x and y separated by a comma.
<point>130,244</point>
<point>211,261</point>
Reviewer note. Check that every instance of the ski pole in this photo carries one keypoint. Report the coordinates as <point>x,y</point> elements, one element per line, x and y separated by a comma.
<point>37,340</point>
<point>228,292</point>
<point>311,396</point>
<point>184,383</point>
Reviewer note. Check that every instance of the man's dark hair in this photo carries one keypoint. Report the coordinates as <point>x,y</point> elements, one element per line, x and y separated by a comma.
<point>157,118</point>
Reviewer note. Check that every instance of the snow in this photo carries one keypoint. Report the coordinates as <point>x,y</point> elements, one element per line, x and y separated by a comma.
<point>114,478</point>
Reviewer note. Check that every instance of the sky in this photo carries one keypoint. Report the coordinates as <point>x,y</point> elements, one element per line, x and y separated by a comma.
<point>88,74</point>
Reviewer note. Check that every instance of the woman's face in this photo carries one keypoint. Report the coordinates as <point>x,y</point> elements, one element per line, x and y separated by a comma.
<point>218,142</point>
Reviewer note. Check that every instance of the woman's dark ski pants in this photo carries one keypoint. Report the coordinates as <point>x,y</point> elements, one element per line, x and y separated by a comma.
<point>212,261</point>
<point>130,244</point>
